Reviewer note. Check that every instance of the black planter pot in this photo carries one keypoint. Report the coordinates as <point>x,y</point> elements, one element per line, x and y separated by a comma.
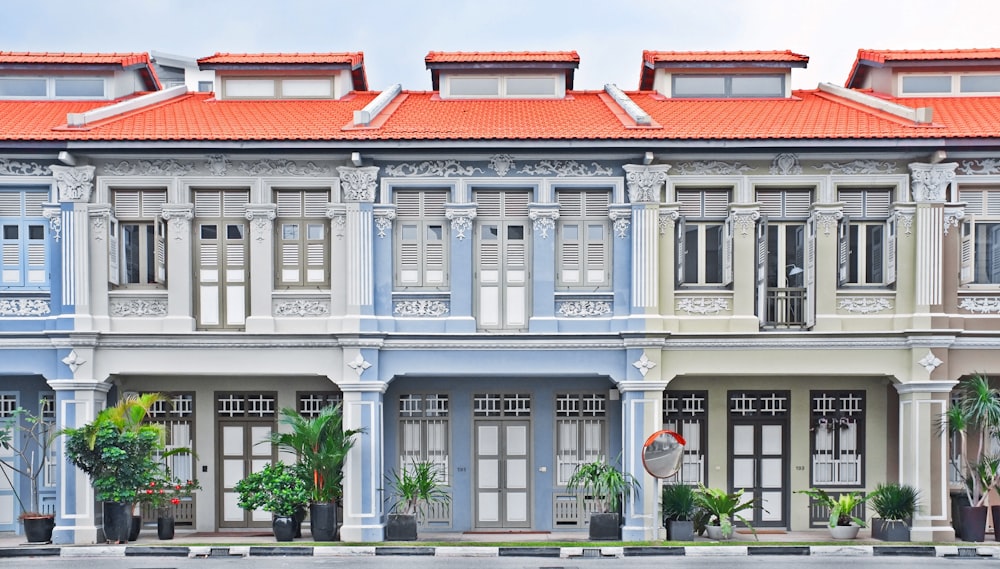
<point>300,516</point>
<point>133,533</point>
<point>401,527</point>
<point>39,530</point>
<point>605,527</point>
<point>165,527</point>
<point>284,528</point>
<point>323,521</point>
<point>973,523</point>
<point>890,530</point>
<point>117,522</point>
<point>958,500</point>
<point>680,530</point>
<point>995,512</point>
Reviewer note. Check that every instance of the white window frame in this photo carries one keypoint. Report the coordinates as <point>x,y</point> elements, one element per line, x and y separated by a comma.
<point>303,254</point>
<point>418,412</point>
<point>837,440</point>
<point>865,208</point>
<point>50,87</point>
<point>145,215</point>
<point>727,92</point>
<point>955,88</point>
<point>558,84</point>
<point>686,413</point>
<point>421,260</point>
<point>581,429</point>
<point>24,261</point>
<point>277,90</point>
<point>701,210</point>
<point>589,257</point>
<point>982,208</point>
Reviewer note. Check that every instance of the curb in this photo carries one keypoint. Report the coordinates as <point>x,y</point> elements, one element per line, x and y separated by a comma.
<point>949,551</point>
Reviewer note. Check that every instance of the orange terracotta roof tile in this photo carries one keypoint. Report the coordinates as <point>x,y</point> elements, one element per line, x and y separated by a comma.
<point>582,115</point>
<point>35,58</point>
<point>883,55</point>
<point>502,57</point>
<point>654,57</point>
<point>348,58</point>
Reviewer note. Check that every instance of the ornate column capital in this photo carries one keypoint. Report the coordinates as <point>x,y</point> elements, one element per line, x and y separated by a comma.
<point>179,215</point>
<point>929,181</point>
<point>358,184</point>
<point>644,182</point>
<point>461,216</point>
<point>544,217</point>
<point>745,218</point>
<point>826,216</point>
<point>953,213</point>
<point>668,217</point>
<point>75,183</point>
<point>99,214</point>
<point>260,217</point>
<point>384,214</point>
<point>621,215</point>
<point>53,213</point>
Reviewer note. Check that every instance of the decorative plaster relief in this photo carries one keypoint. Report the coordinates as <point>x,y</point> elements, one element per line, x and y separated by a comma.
<point>905,219</point>
<point>502,164</point>
<point>24,307</point>
<point>667,219</point>
<point>73,361</point>
<point>359,365</point>
<point>54,215</point>
<point>584,308</point>
<point>746,220</point>
<point>442,168</point>
<point>260,217</point>
<point>281,167</point>
<point>563,168</point>
<point>952,215</point>
<point>930,362</point>
<point>981,304</point>
<point>711,168</point>
<point>98,226</point>
<point>74,183</point>
<point>461,220</point>
<point>544,219</point>
<point>929,181</point>
<point>864,304</point>
<point>827,219</point>
<point>218,164</point>
<point>622,222</point>
<point>420,307</point>
<point>644,182</point>
<point>383,221</point>
<point>983,166</point>
<point>179,216</point>
<point>302,308</point>
<point>856,167</point>
<point>703,305</point>
<point>358,184</point>
<point>138,307</point>
<point>644,364</point>
<point>18,168</point>
<point>169,167</point>
<point>786,165</point>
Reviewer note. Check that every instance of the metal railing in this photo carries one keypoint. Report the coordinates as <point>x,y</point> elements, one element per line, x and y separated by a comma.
<point>785,308</point>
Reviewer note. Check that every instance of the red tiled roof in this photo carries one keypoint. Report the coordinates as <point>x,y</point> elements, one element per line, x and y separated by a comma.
<point>879,57</point>
<point>28,57</point>
<point>654,57</point>
<point>883,55</point>
<point>424,116</point>
<point>502,57</point>
<point>349,58</point>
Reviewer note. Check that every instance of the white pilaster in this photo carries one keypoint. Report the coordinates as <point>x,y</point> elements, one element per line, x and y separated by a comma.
<point>929,184</point>
<point>261,218</point>
<point>180,267</point>
<point>363,483</point>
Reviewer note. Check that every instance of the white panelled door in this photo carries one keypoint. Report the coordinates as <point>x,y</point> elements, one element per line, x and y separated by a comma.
<point>240,455</point>
<point>503,467</point>
<point>222,262</point>
<point>759,458</point>
<point>502,260</point>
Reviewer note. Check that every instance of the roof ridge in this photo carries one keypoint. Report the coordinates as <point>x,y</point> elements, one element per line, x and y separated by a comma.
<point>921,116</point>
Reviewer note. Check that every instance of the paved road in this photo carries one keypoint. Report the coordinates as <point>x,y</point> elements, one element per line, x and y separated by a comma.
<point>429,562</point>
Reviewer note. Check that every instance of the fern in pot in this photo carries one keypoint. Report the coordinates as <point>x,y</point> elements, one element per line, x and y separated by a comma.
<point>894,505</point>
<point>608,486</point>
<point>677,501</point>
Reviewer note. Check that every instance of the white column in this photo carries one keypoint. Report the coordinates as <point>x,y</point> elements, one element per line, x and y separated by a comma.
<point>180,268</point>
<point>645,184</point>
<point>923,456</point>
<point>261,218</point>
<point>74,185</point>
<point>929,183</point>
<point>358,187</point>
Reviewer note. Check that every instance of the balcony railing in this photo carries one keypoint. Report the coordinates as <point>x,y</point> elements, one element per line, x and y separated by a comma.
<point>785,308</point>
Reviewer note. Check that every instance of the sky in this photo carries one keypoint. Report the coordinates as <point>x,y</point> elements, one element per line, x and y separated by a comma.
<point>609,35</point>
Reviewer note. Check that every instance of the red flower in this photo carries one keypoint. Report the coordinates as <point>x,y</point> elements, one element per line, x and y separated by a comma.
<point>175,501</point>
<point>149,491</point>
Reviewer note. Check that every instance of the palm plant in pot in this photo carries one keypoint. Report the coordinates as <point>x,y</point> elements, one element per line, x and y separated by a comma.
<point>677,501</point>
<point>416,486</point>
<point>321,445</point>
<point>118,451</point>
<point>277,489</point>
<point>843,523</point>
<point>608,486</point>
<point>26,438</point>
<point>894,505</point>
<point>723,507</point>
<point>976,410</point>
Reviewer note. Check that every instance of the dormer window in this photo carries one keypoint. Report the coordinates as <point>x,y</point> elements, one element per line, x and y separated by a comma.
<point>502,75</point>
<point>719,74</point>
<point>286,75</point>
<point>501,86</point>
<point>52,87</point>
<point>727,86</point>
<point>281,88</point>
<point>949,84</point>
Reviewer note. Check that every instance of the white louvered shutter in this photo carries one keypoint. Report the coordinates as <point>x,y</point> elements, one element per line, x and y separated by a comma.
<point>680,248</point>
<point>728,230</point>
<point>160,250</point>
<point>762,270</point>
<point>114,252</point>
<point>843,251</point>
<point>890,251</point>
<point>809,302</point>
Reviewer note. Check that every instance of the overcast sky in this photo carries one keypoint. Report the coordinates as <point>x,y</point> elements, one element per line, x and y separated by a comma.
<point>609,35</point>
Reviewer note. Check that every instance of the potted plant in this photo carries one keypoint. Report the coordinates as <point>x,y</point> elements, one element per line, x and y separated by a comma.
<point>843,523</point>
<point>976,410</point>
<point>894,504</point>
<point>416,486</point>
<point>118,450</point>
<point>321,445</point>
<point>608,486</point>
<point>677,502</point>
<point>26,438</point>
<point>722,507</point>
<point>163,493</point>
<point>277,489</point>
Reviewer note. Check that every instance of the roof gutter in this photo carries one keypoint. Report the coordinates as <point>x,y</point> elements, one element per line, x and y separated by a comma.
<point>921,115</point>
<point>77,120</point>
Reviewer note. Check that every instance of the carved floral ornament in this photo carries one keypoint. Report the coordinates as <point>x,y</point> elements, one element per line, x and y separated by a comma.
<point>74,183</point>
<point>461,220</point>
<point>981,304</point>
<point>622,222</point>
<point>179,216</point>
<point>302,308</point>
<point>138,307</point>
<point>746,220</point>
<point>543,220</point>
<point>786,165</point>
<point>864,304</point>
<point>502,164</point>
<point>929,181</point>
<point>24,307</point>
<point>667,219</point>
<point>358,184</point>
<point>644,182</point>
<point>54,215</point>
<point>420,307</point>
<point>383,221</point>
<point>827,219</point>
<point>260,221</point>
<point>584,308</point>
<point>982,166</point>
<point>17,168</point>
<point>703,305</point>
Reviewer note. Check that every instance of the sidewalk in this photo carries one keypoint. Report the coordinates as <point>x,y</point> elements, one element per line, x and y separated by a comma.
<point>190,543</point>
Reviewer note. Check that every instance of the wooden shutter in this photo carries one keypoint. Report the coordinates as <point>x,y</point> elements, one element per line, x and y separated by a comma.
<point>843,251</point>
<point>680,246</point>
<point>728,230</point>
<point>160,248</point>
<point>890,251</point>
<point>809,302</point>
<point>114,252</point>
<point>762,270</point>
